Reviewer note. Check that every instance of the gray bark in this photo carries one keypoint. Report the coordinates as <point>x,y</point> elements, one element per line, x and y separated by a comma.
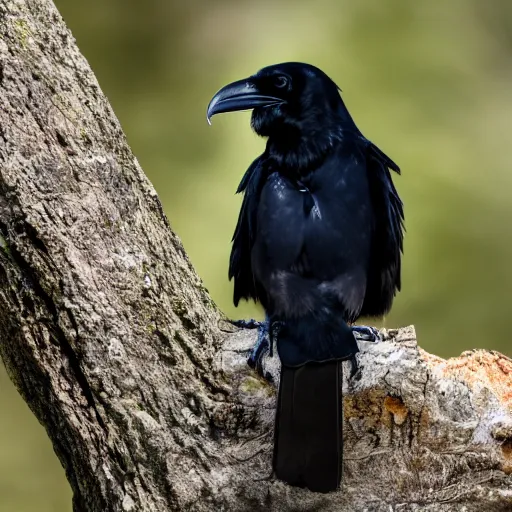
<point>141,384</point>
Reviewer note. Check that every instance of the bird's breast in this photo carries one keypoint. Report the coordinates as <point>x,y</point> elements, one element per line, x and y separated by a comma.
<point>310,204</point>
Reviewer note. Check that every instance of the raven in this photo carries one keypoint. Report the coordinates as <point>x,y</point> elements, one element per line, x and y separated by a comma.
<point>318,243</point>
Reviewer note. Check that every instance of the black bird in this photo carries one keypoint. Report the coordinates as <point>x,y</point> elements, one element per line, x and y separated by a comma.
<point>318,243</point>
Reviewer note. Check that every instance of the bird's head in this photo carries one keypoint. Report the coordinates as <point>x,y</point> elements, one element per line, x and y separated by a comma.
<point>296,105</point>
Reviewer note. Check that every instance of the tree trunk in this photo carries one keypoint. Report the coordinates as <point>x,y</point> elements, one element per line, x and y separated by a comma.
<point>141,384</point>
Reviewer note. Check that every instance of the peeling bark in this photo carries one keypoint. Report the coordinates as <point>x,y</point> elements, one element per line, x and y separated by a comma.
<point>142,386</point>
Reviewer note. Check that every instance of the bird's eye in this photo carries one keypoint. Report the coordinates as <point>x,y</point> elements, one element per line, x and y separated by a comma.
<point>281,81</point>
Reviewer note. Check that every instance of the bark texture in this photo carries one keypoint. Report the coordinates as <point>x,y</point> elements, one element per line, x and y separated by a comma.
<point>110,337</point>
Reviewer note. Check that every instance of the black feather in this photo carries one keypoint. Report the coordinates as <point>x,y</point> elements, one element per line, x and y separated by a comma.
<point>307,447</point>
<point>384,269</point>
<point>240,267</point>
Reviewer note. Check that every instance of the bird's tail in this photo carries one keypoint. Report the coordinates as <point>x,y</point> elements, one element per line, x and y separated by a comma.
<point>308,429</point>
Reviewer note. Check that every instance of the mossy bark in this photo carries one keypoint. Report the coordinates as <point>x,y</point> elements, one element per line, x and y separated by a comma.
<point>110,337</point>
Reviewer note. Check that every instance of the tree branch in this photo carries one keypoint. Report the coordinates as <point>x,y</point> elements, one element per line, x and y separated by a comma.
<point>114,343</point>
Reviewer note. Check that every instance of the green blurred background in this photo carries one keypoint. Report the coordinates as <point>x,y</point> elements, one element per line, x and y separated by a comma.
<point>429,82</point>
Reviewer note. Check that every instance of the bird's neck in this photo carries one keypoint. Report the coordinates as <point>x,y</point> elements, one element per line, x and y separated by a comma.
<point>291,151</point>
<point>302,149</point>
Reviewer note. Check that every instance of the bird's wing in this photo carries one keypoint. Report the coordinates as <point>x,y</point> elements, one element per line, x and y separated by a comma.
<point>240,268</point>
<point>339,231</point>
<point>383,279</point>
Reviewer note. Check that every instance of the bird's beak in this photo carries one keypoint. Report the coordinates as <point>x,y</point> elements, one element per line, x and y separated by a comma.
<point>240,95</point>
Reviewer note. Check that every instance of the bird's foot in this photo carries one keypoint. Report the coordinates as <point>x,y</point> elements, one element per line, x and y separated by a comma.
<point>261,347</point>
<point>366,333</point>
<point>264,344</point>
<point>354,366</point>
<point>246,324</point>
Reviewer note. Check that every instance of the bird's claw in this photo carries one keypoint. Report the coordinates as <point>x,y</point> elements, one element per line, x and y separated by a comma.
<point>354,369</point>
<point>366,333</point>
<point>246,324</point>
<point>264,344</point>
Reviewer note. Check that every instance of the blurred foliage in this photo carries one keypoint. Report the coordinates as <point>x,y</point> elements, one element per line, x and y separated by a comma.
<point>428,82</point>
